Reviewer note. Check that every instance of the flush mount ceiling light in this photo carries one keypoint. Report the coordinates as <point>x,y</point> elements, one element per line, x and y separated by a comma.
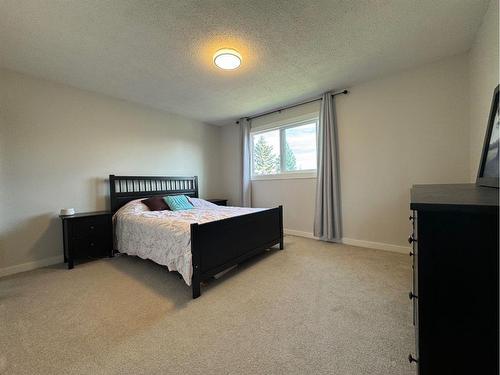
<point>227,59</point>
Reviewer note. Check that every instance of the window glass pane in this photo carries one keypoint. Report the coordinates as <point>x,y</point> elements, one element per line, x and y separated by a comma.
<point>266,153</point>
<point>300,147</point>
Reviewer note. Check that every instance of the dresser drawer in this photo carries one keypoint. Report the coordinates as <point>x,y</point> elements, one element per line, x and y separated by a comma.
<point>87,227</point>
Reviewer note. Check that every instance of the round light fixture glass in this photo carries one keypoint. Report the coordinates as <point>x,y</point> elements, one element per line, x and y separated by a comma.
<point>227,59</point>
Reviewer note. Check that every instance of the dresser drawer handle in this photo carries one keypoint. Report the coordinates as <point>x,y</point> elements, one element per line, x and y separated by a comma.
<point>410,218</point>
<point>412,359</point>
<point>91,227</point>
<point>92,244</point>
<point>412,253</point>
<point>411,295</point>
<point>411,239</point>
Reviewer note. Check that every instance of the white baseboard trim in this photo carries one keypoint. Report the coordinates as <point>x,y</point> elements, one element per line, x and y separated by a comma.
<point>376,245</point>
<point>299,233</point>
<point>30,265</point>
<point>354,242</point>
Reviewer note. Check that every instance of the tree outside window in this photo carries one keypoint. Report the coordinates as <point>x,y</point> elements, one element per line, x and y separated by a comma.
<point>266,161</point>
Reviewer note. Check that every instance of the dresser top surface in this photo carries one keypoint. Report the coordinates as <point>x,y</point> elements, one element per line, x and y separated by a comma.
<point>465,196</point>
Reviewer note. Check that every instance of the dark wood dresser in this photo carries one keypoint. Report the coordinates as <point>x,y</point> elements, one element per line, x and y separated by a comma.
<point>87,235</point>
<point>455,279</point>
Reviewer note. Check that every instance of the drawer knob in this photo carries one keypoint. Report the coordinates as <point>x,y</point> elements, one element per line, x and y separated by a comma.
<point>411,239</point>
<point>91,227</point>
<point>411,295</point>
<point>412,359</point>
<point>91,244</point>
<point>411,253</point>
<point>410,218</point>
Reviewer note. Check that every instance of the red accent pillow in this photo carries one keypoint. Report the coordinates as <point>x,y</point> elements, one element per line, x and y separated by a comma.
<point>156,203</point>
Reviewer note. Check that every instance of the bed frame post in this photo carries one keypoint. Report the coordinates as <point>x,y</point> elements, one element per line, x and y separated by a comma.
<point>112,192</point>
<point>282,243</point>
<point>195,254</point>
<point>196,186</point>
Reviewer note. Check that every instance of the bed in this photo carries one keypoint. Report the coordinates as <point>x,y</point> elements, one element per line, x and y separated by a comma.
<point>197,243</point>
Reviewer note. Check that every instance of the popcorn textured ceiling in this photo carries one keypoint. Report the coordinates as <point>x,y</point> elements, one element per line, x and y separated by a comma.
<point>159,53</point>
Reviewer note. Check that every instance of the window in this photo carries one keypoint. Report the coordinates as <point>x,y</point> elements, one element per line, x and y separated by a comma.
<point>287,151</point>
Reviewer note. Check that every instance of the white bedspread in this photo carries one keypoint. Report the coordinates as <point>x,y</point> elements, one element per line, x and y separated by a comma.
<point>164,236</point>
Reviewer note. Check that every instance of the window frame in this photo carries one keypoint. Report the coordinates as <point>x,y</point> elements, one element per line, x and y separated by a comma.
<point>282,127</point>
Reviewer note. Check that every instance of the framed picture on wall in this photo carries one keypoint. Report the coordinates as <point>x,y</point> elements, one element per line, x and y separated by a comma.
<point>488,166</point>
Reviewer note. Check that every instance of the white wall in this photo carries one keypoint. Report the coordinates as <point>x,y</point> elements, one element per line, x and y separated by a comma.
<point>297,196</point>
<point>484,77</point>
<point>58,146</point>
<point>408,128</point>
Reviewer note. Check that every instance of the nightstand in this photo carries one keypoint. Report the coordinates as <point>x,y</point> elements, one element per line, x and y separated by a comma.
<point>87,235</point>
<point>218,202</point>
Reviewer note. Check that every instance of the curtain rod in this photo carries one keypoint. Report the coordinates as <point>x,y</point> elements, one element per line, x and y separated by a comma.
<point>343,92</point>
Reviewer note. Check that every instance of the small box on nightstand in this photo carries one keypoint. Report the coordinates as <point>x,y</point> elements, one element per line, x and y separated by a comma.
<point>87,235</point>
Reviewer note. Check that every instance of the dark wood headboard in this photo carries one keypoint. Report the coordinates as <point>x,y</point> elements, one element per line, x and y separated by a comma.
<point>124,189</point>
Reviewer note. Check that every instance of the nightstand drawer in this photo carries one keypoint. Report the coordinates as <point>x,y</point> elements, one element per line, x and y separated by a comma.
<point>86,227</point>
<point>93,247</point>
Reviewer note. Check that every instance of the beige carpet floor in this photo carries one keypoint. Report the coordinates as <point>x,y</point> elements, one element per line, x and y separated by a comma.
<point>315,308</point>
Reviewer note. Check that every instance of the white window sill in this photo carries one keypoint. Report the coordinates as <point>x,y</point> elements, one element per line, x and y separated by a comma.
<point>285,176</point>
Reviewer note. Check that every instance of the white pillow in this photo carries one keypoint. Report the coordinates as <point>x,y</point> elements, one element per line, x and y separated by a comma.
<point>134,206</point>
<point>201,203</point>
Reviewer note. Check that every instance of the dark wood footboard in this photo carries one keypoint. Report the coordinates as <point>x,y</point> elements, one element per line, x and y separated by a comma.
<point>221,244</point>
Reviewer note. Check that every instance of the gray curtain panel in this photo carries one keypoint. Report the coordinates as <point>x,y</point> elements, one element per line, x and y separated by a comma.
<point>327,218</point>
<point>246,183</point>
